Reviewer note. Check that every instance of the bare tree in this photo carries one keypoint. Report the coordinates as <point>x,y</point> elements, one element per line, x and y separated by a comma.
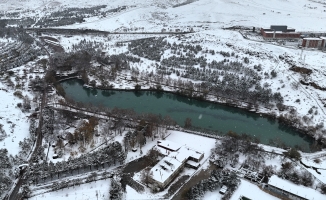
<point>146,176</point>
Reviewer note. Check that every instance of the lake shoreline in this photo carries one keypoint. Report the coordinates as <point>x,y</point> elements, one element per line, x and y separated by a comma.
<point>300,131</point>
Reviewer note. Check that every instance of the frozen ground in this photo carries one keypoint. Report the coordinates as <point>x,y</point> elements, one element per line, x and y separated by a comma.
<point>317,160</point>
<point>246,189</point>
<point>303,15</point>
<point>251,191</point>
<point>98,190</point>
<point>15,122</point>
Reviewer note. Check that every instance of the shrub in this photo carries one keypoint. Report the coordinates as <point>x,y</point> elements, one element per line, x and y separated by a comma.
<point>293,153</point>
<point>323,188</point>
<point>19,94</point>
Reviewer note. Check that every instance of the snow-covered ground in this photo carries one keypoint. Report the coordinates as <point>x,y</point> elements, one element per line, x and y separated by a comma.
<point>300,14</point>
<point>15,122</point>
<point>317,160</point>
<point>251,191</point>
<point>88,191</point>
<point>245,189</point>
<point>219,13</point>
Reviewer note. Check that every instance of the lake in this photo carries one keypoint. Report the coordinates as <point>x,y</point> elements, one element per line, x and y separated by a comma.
<point>207,115</point>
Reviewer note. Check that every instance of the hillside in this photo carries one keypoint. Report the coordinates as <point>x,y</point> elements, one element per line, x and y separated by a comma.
<point>303,15</point>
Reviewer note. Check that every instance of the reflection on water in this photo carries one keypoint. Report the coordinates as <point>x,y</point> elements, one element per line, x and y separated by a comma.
<point>212,116</point>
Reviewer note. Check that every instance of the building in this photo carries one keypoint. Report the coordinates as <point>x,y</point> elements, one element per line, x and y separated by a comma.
<point>291,190</point>
<point>279,32</point>
<point>176,157</point>
<point>168,145</point>
<point>317,43</point>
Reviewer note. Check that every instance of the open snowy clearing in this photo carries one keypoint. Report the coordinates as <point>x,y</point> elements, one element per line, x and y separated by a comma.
<point>304,15</point>
<point>89,191</point>
<point>245,189</point>
<point>251,191</point>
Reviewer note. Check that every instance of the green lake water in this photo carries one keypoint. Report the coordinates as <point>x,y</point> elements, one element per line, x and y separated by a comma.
<point>203,114</point>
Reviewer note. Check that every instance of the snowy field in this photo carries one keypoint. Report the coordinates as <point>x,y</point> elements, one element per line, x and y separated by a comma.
<point>251,191</point>
<point>246,189</point>
<point>317,160</point>
<point>219,13</point>
<point>304,15</point>
<point>98,190</point>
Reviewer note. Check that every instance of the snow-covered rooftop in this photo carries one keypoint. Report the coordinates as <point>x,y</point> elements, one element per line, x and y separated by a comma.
<point>174,160</point>
<point>298,190</point>
<point>169,145</point>
<point>281,32</point>
<point>165,168</point>
<point>312,39</point>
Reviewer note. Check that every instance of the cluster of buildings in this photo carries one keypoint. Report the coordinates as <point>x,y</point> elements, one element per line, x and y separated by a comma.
<point>176,158</point>
<point>277,32</point>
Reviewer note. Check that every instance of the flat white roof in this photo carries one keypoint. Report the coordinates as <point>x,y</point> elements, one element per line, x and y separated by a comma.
<point>191,152</point>
<point>184,153</point>
<point>312,39</point>
<point>164,169</point>
<point>169,144</point>
<point>298,190</point>
<point>281,32</point>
